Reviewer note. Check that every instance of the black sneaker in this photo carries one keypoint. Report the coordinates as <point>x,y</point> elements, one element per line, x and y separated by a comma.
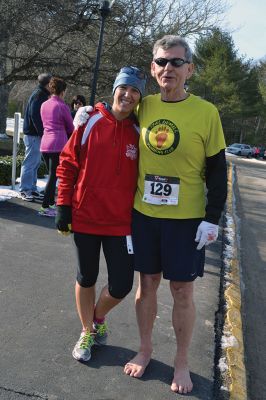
<point>37,195</point>
<point>27,196</point>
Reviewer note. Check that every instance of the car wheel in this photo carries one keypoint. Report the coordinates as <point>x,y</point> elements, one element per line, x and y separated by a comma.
<point>239,153</point>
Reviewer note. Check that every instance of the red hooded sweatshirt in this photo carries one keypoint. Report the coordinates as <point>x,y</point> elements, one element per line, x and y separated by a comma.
<point>98,174</point>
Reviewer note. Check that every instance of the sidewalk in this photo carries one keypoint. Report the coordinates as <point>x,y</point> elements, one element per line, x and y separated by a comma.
<point>40,327</point>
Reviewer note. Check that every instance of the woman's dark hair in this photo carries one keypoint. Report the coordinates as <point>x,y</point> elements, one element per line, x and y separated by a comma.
<point>78,99</point>
<point>57,85</point>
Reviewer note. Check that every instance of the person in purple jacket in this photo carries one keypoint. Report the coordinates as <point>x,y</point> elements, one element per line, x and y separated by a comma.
<point>58,126</point>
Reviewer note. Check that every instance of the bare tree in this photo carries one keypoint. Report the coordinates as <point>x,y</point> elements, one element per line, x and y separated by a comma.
<point>137,24</point>
<point>36,36</point>
<point>61,36</point>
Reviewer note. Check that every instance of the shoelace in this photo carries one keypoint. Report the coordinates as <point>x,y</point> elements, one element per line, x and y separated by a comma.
<point>87,341</point>
<point>101,328</point>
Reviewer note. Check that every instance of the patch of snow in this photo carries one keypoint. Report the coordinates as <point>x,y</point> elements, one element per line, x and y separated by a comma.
<point>6,192</point>
<point>228,251</point>
<point>230,154</point>
<point>229,341</point>
<point>222,365</point>
<point>250,160</point>
<point>224,388</point>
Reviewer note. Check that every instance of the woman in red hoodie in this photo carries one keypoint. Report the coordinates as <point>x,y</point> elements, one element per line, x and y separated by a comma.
<point>97,182</point>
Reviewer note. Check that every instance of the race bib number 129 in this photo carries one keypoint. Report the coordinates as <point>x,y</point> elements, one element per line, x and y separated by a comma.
<point>161,190</point>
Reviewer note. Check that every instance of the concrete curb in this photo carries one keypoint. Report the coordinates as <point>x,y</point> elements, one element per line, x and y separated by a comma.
<point>234,374</point>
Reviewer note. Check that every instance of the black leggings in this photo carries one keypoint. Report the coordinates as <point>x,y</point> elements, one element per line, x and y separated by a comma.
<point>51,162</point>
<point>120,264</point>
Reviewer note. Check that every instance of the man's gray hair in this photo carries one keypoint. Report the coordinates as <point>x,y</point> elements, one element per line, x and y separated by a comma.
<point>169,41</point>
<point>44,78</point>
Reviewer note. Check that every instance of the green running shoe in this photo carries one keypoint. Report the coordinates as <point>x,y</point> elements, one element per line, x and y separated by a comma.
<point>101,333</point>
<point>47,212</point>
<point>82,349</point>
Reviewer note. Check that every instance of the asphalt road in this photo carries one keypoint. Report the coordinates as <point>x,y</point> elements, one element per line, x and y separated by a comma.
<point>250,191</point>
<point>39,325</point>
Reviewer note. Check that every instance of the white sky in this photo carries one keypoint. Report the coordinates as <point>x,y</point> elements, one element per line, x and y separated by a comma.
<point>247,18</point>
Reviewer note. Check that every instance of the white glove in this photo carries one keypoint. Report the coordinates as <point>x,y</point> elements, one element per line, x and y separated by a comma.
<point>82,116</point>
<point>206,234</point>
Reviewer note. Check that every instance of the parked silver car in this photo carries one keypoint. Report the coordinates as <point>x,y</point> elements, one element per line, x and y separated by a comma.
<point>240,149</point>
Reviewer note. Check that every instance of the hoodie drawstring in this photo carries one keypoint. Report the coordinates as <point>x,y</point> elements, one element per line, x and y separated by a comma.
<point>114,141</point>
<point>118,167</point>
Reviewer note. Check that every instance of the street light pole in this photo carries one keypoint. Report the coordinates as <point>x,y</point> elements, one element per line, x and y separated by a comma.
<point>105,10</point>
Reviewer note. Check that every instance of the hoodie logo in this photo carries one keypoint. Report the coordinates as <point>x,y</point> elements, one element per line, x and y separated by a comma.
<point>132,151</point>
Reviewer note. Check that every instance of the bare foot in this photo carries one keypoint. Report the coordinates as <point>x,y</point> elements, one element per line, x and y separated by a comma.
<point>136,367</point>
<point>182,382</point>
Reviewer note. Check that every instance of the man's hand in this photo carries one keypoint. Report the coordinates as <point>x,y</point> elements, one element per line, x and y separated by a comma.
<point>82,115</point>
<point>63,219</point>
<point>206,234</point>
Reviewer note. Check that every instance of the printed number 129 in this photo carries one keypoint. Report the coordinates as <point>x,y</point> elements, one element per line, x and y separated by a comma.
<point>159,189</point>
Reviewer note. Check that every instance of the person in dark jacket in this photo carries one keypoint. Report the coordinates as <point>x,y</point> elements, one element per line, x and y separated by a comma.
<point>77,102</point>
<point>33,131</point>
<point>97,181</point>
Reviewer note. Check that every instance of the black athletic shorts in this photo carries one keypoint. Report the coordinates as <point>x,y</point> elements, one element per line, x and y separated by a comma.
<point>119,260</point>
<point>167,246</point>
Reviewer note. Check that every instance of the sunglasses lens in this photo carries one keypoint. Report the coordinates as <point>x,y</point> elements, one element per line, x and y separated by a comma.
<point>175,62</point>
<point>161,61</point>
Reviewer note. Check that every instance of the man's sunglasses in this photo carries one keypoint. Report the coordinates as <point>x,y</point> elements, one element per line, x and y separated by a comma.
<point>134,71</point>
<point>175,62</point>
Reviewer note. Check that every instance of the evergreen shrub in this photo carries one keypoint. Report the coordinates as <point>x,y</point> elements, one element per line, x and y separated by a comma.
<point>6,169</point>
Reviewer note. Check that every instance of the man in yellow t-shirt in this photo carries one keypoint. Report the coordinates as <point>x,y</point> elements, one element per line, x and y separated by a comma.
<point>175,140</point>
<point>181,154</point>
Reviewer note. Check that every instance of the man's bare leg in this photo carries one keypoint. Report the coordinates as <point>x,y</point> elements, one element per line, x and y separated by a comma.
<point>85,298</point>
<point>146,310</point>
<point>105,303</point>
<point>183,318</point>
